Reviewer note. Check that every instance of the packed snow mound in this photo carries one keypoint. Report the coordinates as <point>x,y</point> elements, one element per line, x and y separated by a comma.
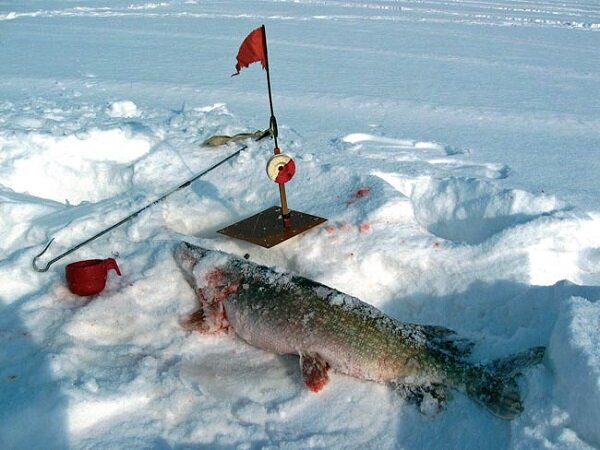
<point>574,353</point>
<point>471,210</point>
<point>589,264</point>
<point>124,108</point>
<point>17,212</point>
<point>89,165</point>
<point>450,197</point>
<point>384,141</point>
<point>88,153</point>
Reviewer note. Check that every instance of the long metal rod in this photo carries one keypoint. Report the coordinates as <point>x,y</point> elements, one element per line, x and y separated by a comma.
<point>128,218</point>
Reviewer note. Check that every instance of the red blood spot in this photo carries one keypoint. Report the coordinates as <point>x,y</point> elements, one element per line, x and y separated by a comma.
<point>331,228</point>
<point>221,286</point>
<point>360,193</point>
<point>211,317</point>
<point>316,385</point>
<point>215,276</point>
<point>364,227</point>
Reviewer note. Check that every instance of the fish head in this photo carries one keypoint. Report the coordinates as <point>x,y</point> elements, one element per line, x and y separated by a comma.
<point>187,256</point>
<point>210,272</point>
<point>213,276</point>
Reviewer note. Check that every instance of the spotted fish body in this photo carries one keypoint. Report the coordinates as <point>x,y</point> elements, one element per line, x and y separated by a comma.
<point>330,330</point>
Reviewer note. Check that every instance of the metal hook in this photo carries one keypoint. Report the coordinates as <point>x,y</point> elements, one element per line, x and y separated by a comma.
<point>34,262</point>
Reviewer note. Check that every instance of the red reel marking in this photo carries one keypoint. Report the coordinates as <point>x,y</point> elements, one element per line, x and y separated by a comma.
<point>286,172</point>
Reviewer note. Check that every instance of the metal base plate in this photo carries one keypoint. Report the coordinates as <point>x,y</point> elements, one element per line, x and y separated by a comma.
<point>266,228</point>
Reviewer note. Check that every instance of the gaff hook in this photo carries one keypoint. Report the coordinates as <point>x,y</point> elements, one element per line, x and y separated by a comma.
<point>34,261</point>
<point>68,252</point>
<point>131,216</point>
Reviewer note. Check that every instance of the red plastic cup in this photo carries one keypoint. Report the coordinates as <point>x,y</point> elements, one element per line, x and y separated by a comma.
<point>89,277</point>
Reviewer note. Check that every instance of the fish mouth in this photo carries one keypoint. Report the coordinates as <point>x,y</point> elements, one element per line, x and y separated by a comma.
<point>189,252</point>
<point>187,256</point>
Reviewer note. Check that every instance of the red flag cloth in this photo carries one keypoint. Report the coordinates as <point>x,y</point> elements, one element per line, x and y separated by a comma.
<point>252,50</point>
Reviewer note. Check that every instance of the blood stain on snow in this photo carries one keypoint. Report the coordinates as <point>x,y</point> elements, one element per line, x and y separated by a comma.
<point>360,193</point>
<point>364,227</point>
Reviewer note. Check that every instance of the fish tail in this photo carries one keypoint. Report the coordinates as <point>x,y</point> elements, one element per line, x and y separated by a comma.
<point>495,385</point>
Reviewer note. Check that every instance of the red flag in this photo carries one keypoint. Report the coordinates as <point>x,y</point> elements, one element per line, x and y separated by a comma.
<point>252,50</point>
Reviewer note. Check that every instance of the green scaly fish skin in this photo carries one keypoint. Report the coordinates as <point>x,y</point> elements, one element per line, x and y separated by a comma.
<point>328,329</point>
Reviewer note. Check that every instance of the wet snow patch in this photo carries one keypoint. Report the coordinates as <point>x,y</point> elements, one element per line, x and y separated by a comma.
<point>575,354</point>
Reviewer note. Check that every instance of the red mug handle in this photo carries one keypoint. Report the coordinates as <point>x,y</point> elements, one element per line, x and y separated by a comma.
<point>110,263</point>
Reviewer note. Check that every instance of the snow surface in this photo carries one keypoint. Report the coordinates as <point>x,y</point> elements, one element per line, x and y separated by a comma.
<point>454,147</point>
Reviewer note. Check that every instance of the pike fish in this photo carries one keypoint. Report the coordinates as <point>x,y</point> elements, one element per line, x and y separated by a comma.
<point>330,330</point>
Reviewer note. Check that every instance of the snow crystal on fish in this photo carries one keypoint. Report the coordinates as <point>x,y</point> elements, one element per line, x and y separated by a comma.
<point>207,265</point>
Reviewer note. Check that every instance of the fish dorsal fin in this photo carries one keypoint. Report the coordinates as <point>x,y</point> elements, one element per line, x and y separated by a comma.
<point>314,371</point>
<point>446,340</point>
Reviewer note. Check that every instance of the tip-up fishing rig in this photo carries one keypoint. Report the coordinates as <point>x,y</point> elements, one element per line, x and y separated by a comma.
<point>278,223</point>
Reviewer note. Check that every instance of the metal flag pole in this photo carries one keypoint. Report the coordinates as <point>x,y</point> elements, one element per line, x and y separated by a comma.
<point>285,212</point>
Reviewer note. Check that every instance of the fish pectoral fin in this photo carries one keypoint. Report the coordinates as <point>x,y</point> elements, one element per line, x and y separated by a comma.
<point>314,371</point>
<point>206,321</point>
<point>431,398</point>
